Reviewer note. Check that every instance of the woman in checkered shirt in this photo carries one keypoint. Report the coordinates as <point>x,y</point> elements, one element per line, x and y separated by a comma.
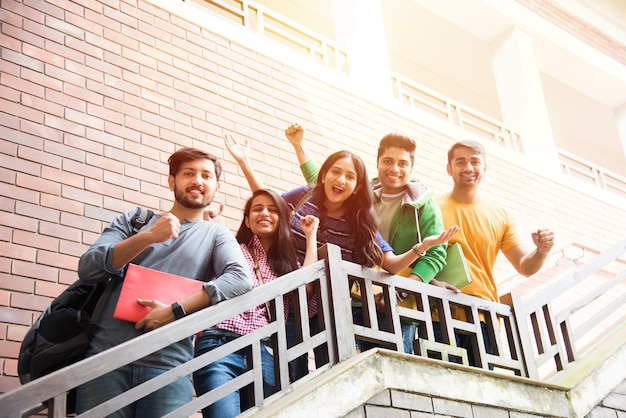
<point>270,249</point>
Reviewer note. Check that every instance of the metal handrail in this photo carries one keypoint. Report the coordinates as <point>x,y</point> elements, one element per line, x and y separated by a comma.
<point>555,333</point>
<point>507,327</point>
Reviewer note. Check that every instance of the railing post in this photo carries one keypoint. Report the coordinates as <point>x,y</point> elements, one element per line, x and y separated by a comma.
<point>342,331</point>
<point>523,332</point>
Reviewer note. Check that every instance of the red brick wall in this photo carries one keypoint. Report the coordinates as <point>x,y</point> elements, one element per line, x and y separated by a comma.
<point>93,99</point>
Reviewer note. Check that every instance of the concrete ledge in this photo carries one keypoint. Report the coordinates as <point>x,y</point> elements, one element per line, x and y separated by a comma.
<point>352,383</point>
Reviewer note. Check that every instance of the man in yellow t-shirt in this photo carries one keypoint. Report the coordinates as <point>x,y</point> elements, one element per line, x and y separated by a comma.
<point>485,228</point>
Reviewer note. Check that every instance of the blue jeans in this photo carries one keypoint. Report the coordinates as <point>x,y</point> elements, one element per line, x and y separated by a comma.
<point>115,383</point>
<point>226,369</point>
<point>408,336</point>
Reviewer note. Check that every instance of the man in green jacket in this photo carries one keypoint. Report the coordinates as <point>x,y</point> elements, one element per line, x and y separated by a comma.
<point>404,207</point>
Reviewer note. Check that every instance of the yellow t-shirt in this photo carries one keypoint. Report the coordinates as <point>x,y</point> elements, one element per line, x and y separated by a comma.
<point>486,229</point>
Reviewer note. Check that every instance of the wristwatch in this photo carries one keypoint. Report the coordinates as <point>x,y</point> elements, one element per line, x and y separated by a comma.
<point>179,311</point>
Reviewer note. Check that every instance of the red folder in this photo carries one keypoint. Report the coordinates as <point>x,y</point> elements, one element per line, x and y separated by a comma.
<point>145,283</point>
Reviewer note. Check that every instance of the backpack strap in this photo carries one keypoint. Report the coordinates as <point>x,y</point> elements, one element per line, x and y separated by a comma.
<point>111,282</point>
<point>140,218</point>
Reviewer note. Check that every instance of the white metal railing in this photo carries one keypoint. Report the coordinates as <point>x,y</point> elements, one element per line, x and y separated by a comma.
<point>416,95</point>
<point>527,334</point>
<point>268,23</point>
<point>569,318</point>
<point>576,166</point>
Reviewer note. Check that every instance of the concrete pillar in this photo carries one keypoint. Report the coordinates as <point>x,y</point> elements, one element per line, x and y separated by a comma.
<point>359,25</point>
<point>521,97</point>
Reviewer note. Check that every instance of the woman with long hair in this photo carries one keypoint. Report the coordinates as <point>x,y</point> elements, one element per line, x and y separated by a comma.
<point>269,247</point>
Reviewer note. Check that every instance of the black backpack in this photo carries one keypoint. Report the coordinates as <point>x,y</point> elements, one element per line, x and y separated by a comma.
<point>61,334</point>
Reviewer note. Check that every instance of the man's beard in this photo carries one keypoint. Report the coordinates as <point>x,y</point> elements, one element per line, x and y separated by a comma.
<point>191,204</point>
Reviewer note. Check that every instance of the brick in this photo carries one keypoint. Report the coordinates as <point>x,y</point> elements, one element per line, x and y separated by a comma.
<point>72,50</point>
<point>72,248</point>
<point>108,140</point>
<point>22,111</point>
<point>84,119</point>
<point>489,412</point>
<point>8,383</point>
<point>111,55</point>
<point>62,26</point>
<point>65,176</point>
<point>35,240</point>
<point>155,190</point>
<point>142,127</point>
<point>80,222</point>
<point>57,260</point>
<point>23,35</point>
<point>24,60</point>
<point>129,159</point>
<point>81,195</point>
<point>356,413</point>
<point>85,71</point>
<point>77,19</point>
<point>39,156</point>
<point>140,38</point>
<point>13,45</point>
<point>615,400</point>
<point>104,163</point>
<point>105,188</point>
<point>16,332</point>
<point>16,251</point>
<point>15,316</point>
<point>65,100</point>
<point>25,273</point>
<point>514,414</point>
<point>65,125</point>
<point>411,401</point>
<point>67,277</point>
<point>60,231</point>
<point>14,281</point>
<point>120,17</point>
<point>46,9</point>
<point>9,349</point>
<point>43,31</point>
<point>10,366</point>
<point>42,104</point>
<point>49,289</point>
<point>36,212</point>
<point>450,407</point>
<point>80,143</point>
<point>381,399</point>
<point>84,94</point>
<point>140,199</point>
<point>375,411</point>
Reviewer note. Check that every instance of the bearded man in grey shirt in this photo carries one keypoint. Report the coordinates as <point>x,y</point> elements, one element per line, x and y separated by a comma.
<point>178,242</point>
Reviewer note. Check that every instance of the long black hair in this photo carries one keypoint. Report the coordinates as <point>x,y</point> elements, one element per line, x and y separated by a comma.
<point>359,213</point>
<point>282,254</point>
